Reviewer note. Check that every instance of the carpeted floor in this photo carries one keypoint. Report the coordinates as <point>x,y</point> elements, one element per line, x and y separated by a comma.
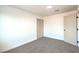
<point>45,45</point>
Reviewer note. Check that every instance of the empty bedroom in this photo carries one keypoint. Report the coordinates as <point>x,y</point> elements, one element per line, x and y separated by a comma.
<point>39,29</point>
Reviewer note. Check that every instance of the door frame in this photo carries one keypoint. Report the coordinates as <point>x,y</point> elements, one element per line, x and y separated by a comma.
<point>41,28</point>
<point>76,30</point>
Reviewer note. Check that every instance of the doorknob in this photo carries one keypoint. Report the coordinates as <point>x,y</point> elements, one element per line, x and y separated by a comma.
<point>77,29</point>
<point>64,29</point>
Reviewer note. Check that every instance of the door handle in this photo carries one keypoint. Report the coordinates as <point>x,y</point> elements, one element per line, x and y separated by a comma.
<point>64,29</point>
<point>77,29</point>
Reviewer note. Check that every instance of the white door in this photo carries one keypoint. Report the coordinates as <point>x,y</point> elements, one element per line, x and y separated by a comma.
<point>70,29</point>
<point>78,28</point>
<point>40,24</point>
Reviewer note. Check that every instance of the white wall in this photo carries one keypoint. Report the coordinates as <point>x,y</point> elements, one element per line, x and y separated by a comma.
<point>54,25</point>
<point>16,27</point>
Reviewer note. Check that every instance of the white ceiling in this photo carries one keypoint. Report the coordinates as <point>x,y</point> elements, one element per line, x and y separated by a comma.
<point>41,10</point>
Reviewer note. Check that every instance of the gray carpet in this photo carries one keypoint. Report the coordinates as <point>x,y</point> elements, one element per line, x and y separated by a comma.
<point>45,45</point>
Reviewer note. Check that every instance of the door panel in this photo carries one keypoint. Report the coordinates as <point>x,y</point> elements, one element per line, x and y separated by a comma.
<point>40,24</point>
<point>78,28</point>
<point>70,29</point>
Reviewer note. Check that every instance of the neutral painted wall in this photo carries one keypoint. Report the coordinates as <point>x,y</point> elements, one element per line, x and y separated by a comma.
<point>54,25</point>
<point>16,27</point>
